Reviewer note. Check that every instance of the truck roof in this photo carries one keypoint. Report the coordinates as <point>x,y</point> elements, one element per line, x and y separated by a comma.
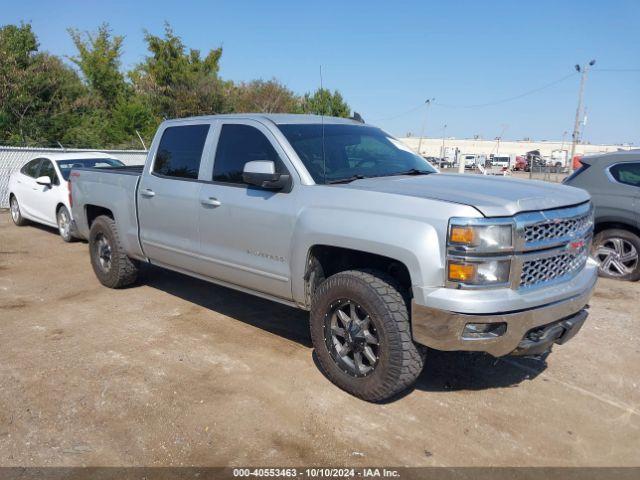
<point>277,118</point>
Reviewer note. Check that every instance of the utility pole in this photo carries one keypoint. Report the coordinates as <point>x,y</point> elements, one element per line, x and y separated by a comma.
<point>576,126</point>
<point>424,123</point>
<point>444,131</point>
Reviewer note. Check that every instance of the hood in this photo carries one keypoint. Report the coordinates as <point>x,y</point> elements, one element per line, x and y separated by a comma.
<point>492,196</point>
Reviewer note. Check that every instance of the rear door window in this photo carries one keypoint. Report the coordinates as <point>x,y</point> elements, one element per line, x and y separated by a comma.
<point>627,173</point>
<point>180,151</point>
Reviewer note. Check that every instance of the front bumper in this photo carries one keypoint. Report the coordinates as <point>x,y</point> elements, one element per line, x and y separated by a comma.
<point>442,328</point>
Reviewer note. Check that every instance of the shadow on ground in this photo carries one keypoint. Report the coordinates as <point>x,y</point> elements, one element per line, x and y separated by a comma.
<point>444,371</point>
<point>287,322</point>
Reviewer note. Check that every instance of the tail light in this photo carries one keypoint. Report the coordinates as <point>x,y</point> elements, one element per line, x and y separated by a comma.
<point>72,175</point>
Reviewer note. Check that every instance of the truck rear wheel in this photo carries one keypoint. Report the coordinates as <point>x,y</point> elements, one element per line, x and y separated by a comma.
<point>110,263</point>
<point>362,337</point>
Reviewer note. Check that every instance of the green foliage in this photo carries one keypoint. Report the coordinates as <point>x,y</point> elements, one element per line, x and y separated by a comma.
<point>323,102</point>
<point>264,97</point>
<point>99,61</point>
<point>43,101</point>
<point>37,91</point>
<point>177,83</point>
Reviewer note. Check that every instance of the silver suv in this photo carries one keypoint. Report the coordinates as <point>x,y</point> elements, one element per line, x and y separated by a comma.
<point>341,219</point>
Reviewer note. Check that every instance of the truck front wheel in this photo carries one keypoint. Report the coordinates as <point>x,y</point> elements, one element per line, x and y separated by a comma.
<point>110,263</point>
<point>362,337</point>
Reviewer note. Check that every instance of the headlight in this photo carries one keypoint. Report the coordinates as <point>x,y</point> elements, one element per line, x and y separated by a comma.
<point>479,272</point>
<point>496,237</point>
<point>476,249</point>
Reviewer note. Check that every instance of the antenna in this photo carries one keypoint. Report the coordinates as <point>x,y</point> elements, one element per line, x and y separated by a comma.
<point>61,146</point>
<point>324,162</point>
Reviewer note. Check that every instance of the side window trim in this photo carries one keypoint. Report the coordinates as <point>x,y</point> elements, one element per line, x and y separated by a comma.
<point>275,144</point>
<point>158,140</point>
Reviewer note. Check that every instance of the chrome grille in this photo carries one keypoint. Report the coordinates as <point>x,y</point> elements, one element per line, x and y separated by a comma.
<point>540,271</point>
<point>557,229</point>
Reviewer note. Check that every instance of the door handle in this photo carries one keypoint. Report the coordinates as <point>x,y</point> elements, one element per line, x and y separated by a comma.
<point>147,192</point>
<point>210,202</point>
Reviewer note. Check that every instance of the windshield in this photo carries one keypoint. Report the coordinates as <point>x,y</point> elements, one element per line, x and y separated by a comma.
<point>351,152</point>
<point>66,165</point>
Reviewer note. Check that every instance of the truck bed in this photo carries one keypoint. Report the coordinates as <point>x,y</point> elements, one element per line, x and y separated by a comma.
<point>107,191</point>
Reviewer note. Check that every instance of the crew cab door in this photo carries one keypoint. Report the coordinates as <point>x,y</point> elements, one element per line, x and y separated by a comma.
<point>246,231</point>
<point>167,196</point>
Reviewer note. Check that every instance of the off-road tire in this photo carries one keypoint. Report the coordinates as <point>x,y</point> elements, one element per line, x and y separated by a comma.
<point>18,219</point>
<point>123,270</point>
<point>626,235</point>
<point>400,360</point>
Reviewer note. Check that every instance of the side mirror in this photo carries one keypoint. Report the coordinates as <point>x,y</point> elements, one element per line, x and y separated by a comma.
<point>262,173</point>
<point>44,180</point>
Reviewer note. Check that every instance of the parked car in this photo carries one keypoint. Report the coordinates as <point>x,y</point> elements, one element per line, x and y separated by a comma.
<point>339,218</point>
<point>39,191</point>
<point>502,161</point>
<point>613,180</point>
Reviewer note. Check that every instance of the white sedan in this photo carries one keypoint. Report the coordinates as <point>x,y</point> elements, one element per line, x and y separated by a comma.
<point>40,190</point>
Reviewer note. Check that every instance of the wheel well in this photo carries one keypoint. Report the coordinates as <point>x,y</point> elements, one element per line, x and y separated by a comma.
<point>94,211</point>
<point>324,261</point>
<point>599,227</point>
<point>58,207</point>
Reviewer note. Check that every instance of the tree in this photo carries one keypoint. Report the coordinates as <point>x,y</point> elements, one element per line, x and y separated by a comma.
<point>99,61</point>
<point>323,102</point>
<point>37,91</point>
<point>177,83</point>
<point>264,97</point>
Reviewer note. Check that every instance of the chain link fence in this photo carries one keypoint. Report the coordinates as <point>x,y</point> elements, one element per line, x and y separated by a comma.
<point>546,173</point>
<point>13,158</point>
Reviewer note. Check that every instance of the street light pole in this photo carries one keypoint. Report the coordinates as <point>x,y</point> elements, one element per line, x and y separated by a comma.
<point>444,131</point>
<point>424,123</point>
<point>576,126</point>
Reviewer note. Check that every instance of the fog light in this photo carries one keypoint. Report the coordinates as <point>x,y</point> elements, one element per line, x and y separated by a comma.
<point>475,331</point>
<point>462,272</point>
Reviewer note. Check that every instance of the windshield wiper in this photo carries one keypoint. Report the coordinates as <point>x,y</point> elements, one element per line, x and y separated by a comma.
<point>412,171</point>
<point>347,180</point>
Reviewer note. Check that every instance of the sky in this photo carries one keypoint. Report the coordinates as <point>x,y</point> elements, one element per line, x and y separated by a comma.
<point>387,58</point>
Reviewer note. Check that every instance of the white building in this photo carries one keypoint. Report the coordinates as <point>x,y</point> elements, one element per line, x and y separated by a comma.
<point>433,147</point>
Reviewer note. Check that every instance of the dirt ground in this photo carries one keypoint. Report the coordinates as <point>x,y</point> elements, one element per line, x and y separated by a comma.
<point>176,371</point>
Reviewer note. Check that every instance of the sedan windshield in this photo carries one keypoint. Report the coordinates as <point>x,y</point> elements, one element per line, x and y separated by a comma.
<point>66,165</point>
<point>351,152</point>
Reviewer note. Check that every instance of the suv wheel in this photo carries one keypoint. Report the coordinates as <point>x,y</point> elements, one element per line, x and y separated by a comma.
<point>362,337</point>
<point>108,258</point>
<point>617,253</point>
<point>64,224</point>
<point>16,216</point>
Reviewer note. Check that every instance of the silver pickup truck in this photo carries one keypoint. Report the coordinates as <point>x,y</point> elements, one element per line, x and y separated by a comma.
<point>341,219</point>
